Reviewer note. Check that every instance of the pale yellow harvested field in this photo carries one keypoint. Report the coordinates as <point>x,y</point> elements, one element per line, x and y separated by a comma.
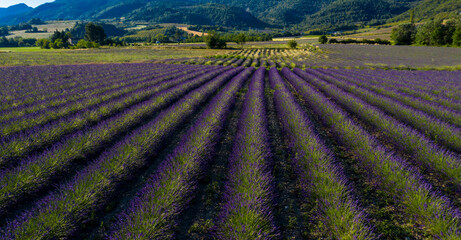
<point>185,29</point>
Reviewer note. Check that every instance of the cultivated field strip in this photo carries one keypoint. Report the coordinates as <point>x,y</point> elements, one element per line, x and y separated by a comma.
<point>427,207</point>
<point>417,88</point>
<point>124,151</point>
<point>445,83</point>
<point>151,213</point>
<point>320,178</point>
<point>248,199</point>
<point>443,113</point>
<point>17,146</point>
<point>38,171</point>
<point>53,93</point>
<point>32,111</point>
<point>434,93</point>
<point>21,123</point>
<point>60,214</point>
<point>439,131</point>
<point>402,136</point>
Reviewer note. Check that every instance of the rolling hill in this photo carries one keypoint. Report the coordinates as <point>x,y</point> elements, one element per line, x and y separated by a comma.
<point>13,11</point>
<point>428,9</point>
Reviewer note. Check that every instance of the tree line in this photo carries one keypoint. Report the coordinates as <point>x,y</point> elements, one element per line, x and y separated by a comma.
<point>94,37</point>
<point>215,40</point>
<point>433,33</point>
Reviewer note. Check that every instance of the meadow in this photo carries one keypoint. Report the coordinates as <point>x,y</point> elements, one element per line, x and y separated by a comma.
<point>179,142</point>
<point>36,56</point>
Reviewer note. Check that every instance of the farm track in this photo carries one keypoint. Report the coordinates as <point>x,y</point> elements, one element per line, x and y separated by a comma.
<point>353,153</point>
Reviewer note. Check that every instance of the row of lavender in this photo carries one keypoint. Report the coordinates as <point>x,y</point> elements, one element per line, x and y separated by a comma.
<point>122,134</point>
<point>36,173</point>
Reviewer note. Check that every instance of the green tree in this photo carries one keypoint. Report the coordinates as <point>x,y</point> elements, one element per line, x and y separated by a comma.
<point>43,43</point>
<point>58,43</point>
<point>292,44</point>
<point>404,34</point>
<point>435,33</point>
<point>86,44</point>
<point>240,39</point>
<point>62,36</point>
<point>94,33</point>
<point>412,16</point>
<point>457,36</point>
<point>177,36</point>
<point>323,39</point>
<point>4,31</point>
<point>215,41</point>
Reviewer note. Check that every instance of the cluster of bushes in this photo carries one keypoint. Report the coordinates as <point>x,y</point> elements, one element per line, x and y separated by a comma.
<point>158,34</point>
<point>215,41</point>
<point>324,40</point>
<point>58,44</point>
<point>434,33</point>
<point>21,26</point>
<point>201,28</point>
<point>35,30</point>
<point>4,31</point>
<point>79,29</point>
<point>363,41</point>
<point>36,21</point>
<point>17,42</point>
<point>249,36</point>
<point>234,37</point>
<point>292,44</point>
<point>57,40</point>
<point>94,37</point>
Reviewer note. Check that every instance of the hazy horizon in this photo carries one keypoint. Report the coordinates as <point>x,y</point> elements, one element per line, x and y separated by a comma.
<point>31,3</point>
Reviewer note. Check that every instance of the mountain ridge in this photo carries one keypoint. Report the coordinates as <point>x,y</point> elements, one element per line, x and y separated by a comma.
<point>237,13</point>
<point>14,10</point>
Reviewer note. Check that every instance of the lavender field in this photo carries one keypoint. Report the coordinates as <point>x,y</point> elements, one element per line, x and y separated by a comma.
<point>340,56</point>
<point>182,151</point>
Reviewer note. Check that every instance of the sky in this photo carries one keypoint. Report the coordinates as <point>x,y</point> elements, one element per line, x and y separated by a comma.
<point>31,3</point>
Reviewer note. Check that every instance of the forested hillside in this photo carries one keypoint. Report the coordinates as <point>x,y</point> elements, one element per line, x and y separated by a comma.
<point>349,12</point>
<point>428,9</point>
<point>307,14</point>
<point>12,11</point>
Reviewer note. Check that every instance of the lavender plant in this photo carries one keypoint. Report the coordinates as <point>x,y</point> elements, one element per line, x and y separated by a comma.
<point>445,114</point>
<point>151,214</point>
<point>424,207</point>
<point>61,213</point>
<point>321,178</point>
<point>403,137</point>
<point>437,130</point>
<point>37,172</point>
<point>24,143</point>
<point>247,211</point>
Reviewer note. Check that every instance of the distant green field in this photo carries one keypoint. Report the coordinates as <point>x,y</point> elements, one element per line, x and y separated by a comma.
<point>22,49</point>
<point>36,56</point>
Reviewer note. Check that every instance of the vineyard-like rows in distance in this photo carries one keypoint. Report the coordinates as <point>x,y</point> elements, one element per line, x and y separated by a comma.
<point>334,56</point>
<point>177,151</point>
<point>259,58</point>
